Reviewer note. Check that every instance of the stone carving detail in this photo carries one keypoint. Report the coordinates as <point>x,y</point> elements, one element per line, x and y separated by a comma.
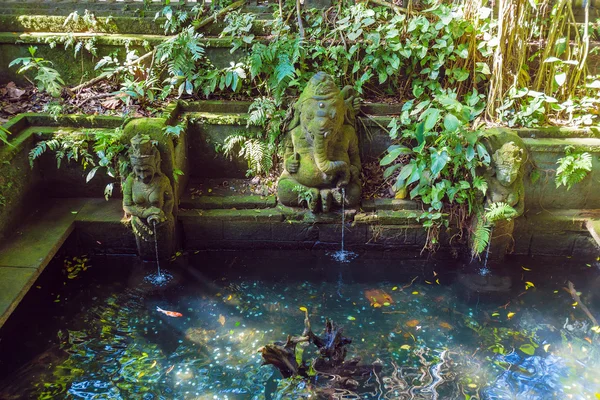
<point>321,154</point>
<point>148,198</point>
<point>505,184</point>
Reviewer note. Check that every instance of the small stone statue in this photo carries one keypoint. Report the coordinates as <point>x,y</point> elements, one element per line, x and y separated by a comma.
<point>148,198</point>
<point>505,184</point>
<point>322,161</point>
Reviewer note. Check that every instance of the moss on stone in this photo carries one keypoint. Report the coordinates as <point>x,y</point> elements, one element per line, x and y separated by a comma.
<point>218,119</point>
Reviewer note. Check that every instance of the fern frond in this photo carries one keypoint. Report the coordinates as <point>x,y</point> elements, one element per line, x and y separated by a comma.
<point>499,211</point>
<point>480,237</point>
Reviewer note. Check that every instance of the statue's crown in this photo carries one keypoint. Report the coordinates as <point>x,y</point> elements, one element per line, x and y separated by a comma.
<point>142,151</point>
<point>321,86</point>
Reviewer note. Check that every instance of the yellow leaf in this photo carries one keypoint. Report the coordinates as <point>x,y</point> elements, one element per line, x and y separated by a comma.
<point>575,304</point>
<point>526,269</point>
<point>472,385</point>
<point>529,285</point>
<point>395,288</point>
<point>351,318</point>
<point>437,281</point>
<point>546,347</point>
<point>401,194</point>
<point>209,190</point>
<point>386,304</point>
<point>495,314</point>
<point>303,309</point>
<point>405,347</point>
<point>596,329</point>
<point>510,315</point>
<point>415,292</point>
<point>427,282</point>
<point>229,297</point>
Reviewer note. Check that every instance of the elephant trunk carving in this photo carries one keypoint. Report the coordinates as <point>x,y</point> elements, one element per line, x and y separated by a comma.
<point>327,166</point>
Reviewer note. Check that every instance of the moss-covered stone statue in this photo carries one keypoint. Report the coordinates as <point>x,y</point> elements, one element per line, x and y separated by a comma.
<point>322,161</point>
<point>505,185</point>
<point>148,199</point>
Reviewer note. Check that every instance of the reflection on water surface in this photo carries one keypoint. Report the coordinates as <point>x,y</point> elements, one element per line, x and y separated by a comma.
<point>105,339</point>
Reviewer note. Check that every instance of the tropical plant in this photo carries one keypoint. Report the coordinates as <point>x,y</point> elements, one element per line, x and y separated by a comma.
<point>573,167</point>
<point>47,78</point>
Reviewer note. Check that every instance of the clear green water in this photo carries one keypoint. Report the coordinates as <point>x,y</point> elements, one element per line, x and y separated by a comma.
<point>99,336</point>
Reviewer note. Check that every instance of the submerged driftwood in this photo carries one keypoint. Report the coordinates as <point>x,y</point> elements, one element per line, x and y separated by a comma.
<point>330,360</point>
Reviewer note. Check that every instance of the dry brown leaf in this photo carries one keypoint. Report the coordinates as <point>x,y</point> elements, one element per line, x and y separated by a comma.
<point>111,104</point>
<point>13,92</point>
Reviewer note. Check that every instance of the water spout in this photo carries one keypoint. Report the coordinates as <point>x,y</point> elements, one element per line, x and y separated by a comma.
<point>342,255</point>
<point>160,278</point>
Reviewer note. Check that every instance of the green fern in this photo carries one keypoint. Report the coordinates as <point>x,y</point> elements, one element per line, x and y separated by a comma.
<point>258,154</point>
<point>499,211</point>
<point>480,237</point>
<point>572,168</point>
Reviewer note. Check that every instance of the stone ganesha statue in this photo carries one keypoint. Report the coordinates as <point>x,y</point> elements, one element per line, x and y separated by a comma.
<point>148,198</point>
<point>322,161</point>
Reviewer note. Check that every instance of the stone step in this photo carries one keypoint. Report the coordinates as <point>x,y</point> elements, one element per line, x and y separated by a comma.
<point>25,255</point>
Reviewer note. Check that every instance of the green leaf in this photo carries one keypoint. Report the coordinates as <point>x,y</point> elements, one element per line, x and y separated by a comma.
<point>438,162</point>
<point>393,153</point>
<point>451,123</point>
<point>528,349</point>
<point>420,133</point>
<point>390,170</point>
<point>406,171</point>
<point>431,116</point>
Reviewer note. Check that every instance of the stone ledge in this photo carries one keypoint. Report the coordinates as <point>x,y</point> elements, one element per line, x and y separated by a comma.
<point>387,217</point>
<point>26,254</point>
<point>239,202</point>
<point>255,215</point>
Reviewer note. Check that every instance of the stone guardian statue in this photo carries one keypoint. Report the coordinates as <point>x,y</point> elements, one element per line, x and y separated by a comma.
<point>322,161</point>
<point>148,199</point>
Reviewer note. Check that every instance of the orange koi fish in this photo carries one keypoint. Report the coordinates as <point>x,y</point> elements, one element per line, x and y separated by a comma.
<point>169,313</point>
<point>378,297</point>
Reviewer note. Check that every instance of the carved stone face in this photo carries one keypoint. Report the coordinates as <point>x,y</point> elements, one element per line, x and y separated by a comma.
<point>144,173</point>
<point>508,160</point>
<point>323,117</point>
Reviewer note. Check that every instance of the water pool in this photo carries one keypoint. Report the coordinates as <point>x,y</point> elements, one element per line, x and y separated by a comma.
<point>100,336</point>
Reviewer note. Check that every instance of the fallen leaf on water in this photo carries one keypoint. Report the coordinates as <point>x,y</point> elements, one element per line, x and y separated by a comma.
<point>495,314</point>
<point>412,323</point>
<point>446,325</point>
<point>170,369</point>
<point>546,347</point>
<point>415,292</point>
<point>351,318</point>
<point>574,304</point>
<point>526,269</point>
<point>596,329</point>
<point>588,340</point>
<point>395,288</point>
<point>153,364</point>
<point>510,315</point>
<point>472,385</point>
<point>405,347</point>
<point>529,285</point>
<point>302,308</point>
<point>221,320</point>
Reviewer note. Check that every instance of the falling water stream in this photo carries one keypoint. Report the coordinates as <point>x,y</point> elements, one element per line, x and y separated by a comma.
<point>161,277</point>
<point>342,255</point>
